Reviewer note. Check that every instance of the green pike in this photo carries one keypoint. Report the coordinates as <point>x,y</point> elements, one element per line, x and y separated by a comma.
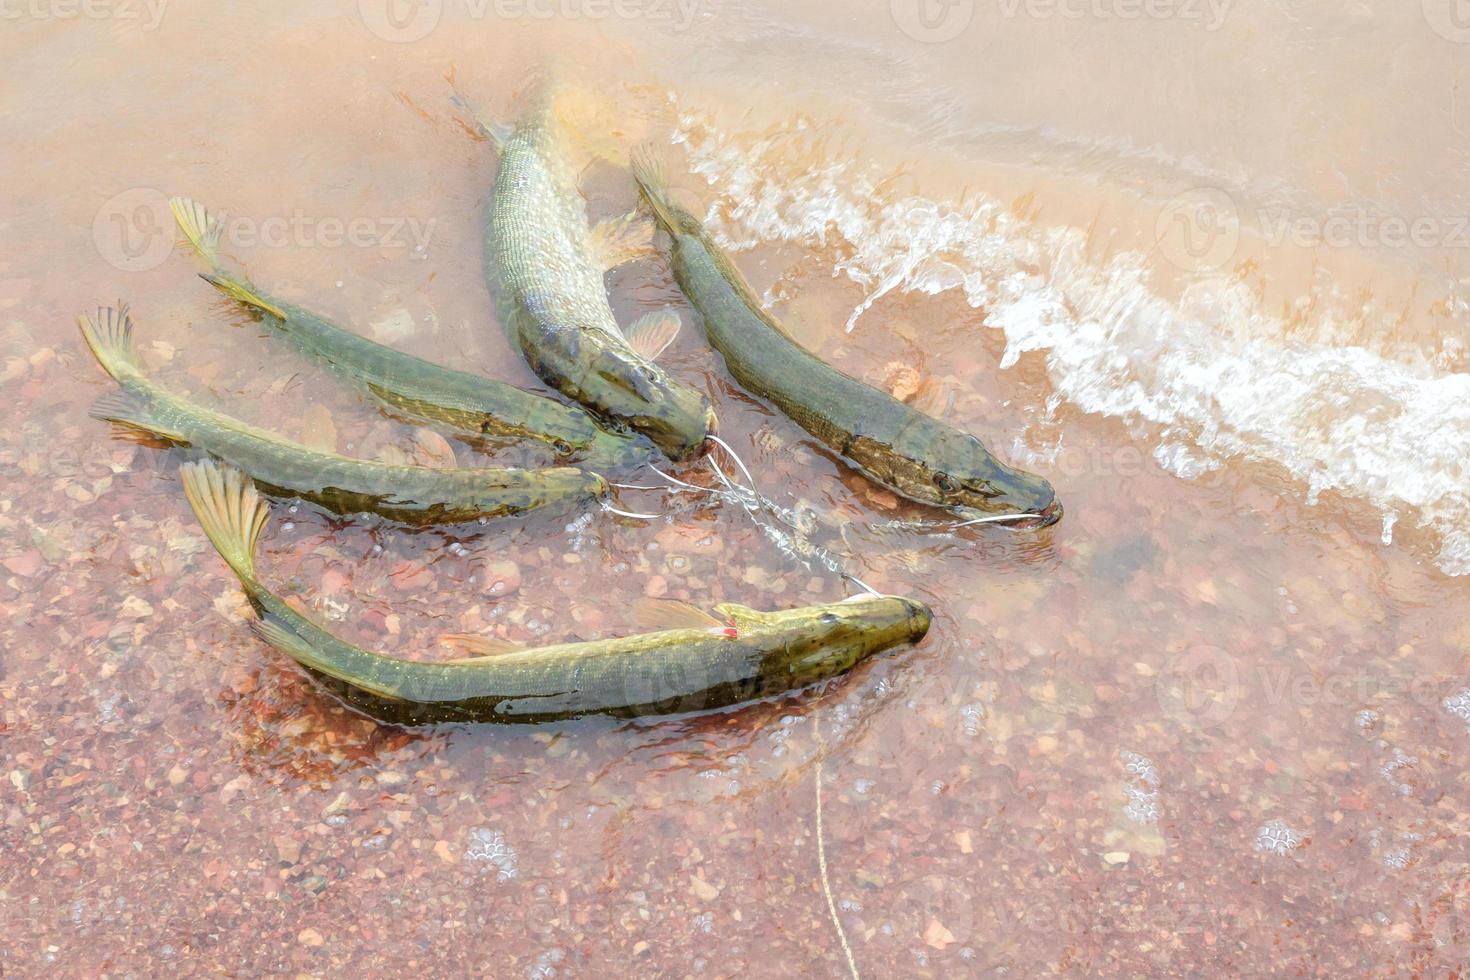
<point>891,442</point>
<point>545,270</point>
<point>409,494</point>
<point>698,662</point>
<point>470,407</point>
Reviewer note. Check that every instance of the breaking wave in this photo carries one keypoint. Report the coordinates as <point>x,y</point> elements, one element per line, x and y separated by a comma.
<point>1210,374</point>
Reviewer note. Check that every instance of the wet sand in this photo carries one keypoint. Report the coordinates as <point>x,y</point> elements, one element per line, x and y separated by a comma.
<point>1199,727</point>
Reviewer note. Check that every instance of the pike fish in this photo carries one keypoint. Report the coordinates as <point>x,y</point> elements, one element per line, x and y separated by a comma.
<point>891,442</point>
<point>470,407</point>
<point>409,494</point>
<point>696,662</point>
<point>545,271</point>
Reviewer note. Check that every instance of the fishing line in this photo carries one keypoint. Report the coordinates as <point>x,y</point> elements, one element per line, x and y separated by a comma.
<point>822,859</point>
<point>738,462</point>
<point>995,519</point>
<point>864,585</point>
<point>628,513</point>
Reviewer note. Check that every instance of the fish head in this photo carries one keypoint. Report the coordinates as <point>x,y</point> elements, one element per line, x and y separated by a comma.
<point>826,640</point>
<point>674,416</point>
<point>959,472</point>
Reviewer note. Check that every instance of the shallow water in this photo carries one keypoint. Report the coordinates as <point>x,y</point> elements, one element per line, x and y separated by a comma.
<point>1202,267</point>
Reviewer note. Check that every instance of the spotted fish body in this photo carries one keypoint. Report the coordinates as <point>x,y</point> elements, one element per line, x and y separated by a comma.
<point>893,443</point>
<point>416,495</point>
<point>470,407</point>
<point>674,670</point>
<point>547,280</point>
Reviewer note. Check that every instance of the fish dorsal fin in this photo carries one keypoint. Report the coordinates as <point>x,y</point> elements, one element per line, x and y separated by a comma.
<point>617,241</point>
<point>479,647</point>
<point>130,409</point>
<point>651,333</point>
<point>671,614</point>
<point>740,615</point>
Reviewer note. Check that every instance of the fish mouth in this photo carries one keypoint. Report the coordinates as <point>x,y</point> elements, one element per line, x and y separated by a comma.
<point>919,618</point>
<point>1045,517</point>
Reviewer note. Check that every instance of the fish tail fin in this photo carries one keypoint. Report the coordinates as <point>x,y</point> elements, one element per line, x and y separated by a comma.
<point>110,338</point>
<point>230,511</point>
<point>244,293</point>
<point>653,183</point>
<point>200,226</point>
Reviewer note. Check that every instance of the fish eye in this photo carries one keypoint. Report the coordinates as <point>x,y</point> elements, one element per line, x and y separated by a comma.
<point>946,483</point>
<point>829,618</point>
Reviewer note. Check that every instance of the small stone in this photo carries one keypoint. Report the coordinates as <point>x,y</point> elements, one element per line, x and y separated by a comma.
<point>309,937</point>
<point>937,936</point>
<point>443,853</point>
<point>963,841</point>
<point>288,849</point>
<point>502,577</point>
<point>703,889</point>
<point>24,564</point>
<point>136,608</point>
<point>177,775</point>
<point>1116,859</point>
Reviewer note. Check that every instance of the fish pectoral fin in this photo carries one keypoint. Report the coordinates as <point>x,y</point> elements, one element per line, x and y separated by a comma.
<point>479,646</point>
<point>652,333</point>
<point>616,241</point>
<point>433,450</point>
<point>129,409</point>
<point>934,398</point>
<point>393,456</point>
<point>496,132</point>
<point>318,430</point>
<point>284,639</point>
<point>671,614</point>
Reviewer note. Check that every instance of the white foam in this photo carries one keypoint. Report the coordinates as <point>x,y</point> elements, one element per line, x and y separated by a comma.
<point>1211,376</point>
